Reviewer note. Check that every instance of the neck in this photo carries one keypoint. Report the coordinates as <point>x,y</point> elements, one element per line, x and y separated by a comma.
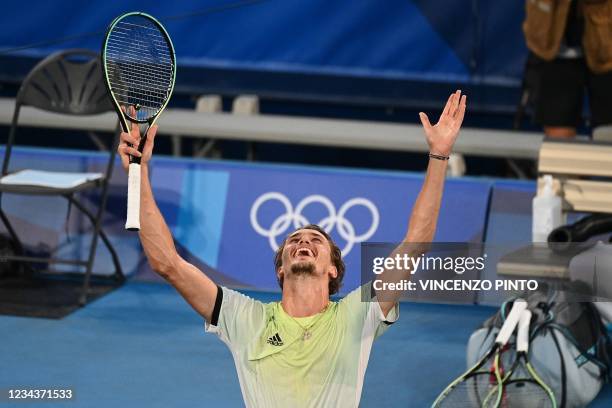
<point>304,296</point>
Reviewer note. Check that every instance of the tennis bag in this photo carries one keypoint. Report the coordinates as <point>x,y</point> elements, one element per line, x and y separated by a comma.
<point>569,346</point>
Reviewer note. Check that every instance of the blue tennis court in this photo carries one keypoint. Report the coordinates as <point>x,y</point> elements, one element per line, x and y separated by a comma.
<point>142,346</point>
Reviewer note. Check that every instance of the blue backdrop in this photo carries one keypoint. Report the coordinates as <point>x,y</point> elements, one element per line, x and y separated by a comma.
<point>228,218</point>
<point>464,42</point>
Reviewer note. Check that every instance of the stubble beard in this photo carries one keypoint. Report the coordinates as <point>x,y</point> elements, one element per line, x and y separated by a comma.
<point>303,269</point>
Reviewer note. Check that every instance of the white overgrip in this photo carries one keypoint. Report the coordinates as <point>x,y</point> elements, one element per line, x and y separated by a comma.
<point>511,321</point>
<point>522,337</point>
<point>133,203</point>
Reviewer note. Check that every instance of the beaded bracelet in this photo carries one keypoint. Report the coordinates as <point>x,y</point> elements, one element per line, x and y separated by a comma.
<point>438,156</point>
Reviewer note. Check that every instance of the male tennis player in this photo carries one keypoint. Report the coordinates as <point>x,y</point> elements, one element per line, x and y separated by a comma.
<point>304,351</point>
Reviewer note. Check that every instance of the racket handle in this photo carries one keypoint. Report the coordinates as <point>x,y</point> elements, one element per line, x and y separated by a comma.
<point>522,337</point>
<point>511,321</point>
<point>133,203</point>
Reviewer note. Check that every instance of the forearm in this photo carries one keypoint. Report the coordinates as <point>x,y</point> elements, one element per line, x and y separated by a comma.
<point>420,233</point>
<point>197,289</point>
<point>424,218</point>
<point>154,234</point>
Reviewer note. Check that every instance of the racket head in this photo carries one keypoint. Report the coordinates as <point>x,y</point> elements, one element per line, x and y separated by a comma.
<point>526,393</point>
<point>139,67</point>
<point>524,388</point>
<point>479,386</point>
<point>479,389</point>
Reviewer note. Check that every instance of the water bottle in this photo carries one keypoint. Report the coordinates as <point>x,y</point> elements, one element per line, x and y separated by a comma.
<point>547,211</point>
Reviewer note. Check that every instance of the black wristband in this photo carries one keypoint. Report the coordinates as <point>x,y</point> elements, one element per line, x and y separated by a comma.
<point>438,156</point>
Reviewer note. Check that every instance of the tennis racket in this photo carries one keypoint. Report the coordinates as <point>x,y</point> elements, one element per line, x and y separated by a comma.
<point>481,385</point>
<point>139,70</point>
<point>522,387</point>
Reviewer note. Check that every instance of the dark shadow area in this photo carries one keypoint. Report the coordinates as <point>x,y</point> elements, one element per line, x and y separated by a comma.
<point>48,296</point>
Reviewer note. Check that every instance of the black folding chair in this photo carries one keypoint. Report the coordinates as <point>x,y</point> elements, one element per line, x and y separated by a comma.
<point>67,82</point>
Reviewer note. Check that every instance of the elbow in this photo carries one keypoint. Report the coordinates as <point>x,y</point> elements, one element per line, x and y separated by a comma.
<point>167,268</point>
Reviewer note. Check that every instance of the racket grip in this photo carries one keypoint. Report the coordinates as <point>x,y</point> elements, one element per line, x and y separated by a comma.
<point>133,203</point>
<point>522,337</point>
<point>511,321</point>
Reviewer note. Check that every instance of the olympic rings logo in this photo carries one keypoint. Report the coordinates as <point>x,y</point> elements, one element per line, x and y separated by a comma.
<point>293,217</point>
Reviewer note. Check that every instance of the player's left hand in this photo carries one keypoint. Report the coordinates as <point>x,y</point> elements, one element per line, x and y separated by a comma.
<point>441,136</point>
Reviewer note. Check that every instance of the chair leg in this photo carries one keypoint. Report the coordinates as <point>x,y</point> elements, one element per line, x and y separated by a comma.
<point>11,231</point>
<point>23,267</point>
<point>118,271</point>
<point>94,242</point>
<point>90,261</point>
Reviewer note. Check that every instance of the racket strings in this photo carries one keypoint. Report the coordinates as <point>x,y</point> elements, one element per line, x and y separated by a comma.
<point>478,390</point>
<point>152,69</point>
<point>135,43</point>
<point>525,393</point>
<point>143,26</point>
<point>152,86</point>
<point>140,66</point>
<point>524,388</point>
<point>132,44</point>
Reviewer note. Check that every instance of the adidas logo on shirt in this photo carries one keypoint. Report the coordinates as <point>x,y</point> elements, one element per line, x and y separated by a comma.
<point>275,340</point>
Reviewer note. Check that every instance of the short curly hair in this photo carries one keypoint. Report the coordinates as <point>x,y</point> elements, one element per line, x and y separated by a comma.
<point>336,258</point>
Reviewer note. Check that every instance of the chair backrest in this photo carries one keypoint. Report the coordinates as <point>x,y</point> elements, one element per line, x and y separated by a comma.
<point>68,81</point>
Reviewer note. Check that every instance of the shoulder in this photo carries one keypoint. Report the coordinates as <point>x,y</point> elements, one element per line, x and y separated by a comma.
<point>232,303</point>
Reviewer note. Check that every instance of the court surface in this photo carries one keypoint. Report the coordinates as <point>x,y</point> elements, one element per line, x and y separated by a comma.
<point>142,346</point>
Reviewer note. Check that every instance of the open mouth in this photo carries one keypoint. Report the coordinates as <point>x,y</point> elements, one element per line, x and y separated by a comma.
<point>304,252</point>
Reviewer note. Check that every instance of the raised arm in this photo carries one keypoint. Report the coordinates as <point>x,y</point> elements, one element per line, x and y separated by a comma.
<point>424,218</point>
<point>197,288</point>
